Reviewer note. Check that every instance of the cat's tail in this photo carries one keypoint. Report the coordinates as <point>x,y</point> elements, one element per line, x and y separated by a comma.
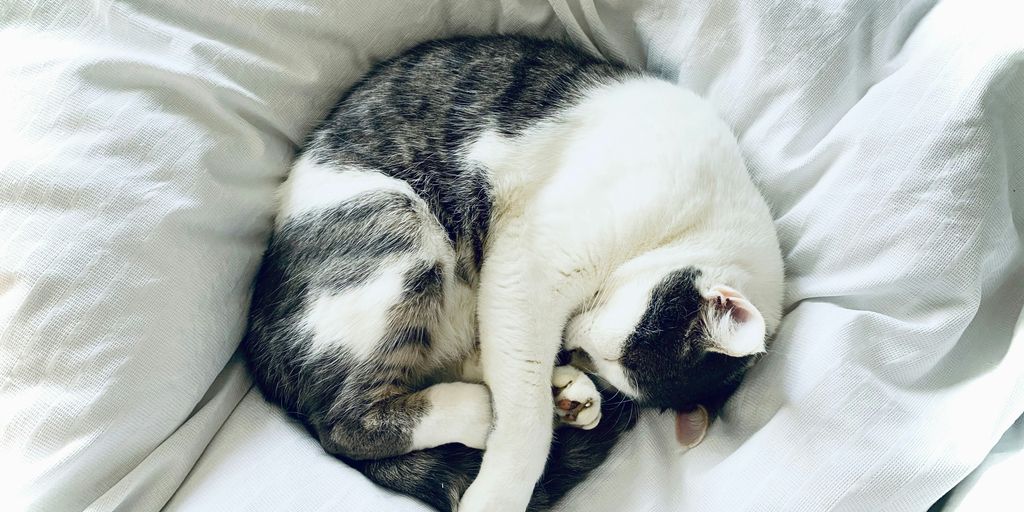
<point>575,453</point>
<point>439,476</point>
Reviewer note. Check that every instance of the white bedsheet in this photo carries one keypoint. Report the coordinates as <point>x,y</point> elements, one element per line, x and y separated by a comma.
<point>142,141</point>
<point>995,484</point>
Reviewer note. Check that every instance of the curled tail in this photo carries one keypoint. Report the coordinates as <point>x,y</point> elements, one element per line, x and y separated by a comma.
<point>439,476</point>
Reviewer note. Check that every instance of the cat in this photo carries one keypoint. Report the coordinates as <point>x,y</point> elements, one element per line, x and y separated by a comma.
<point>473,208</point>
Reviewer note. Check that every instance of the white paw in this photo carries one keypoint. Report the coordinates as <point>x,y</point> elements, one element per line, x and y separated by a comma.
<point>506,484</point>
<point>478,499</point>
<point>577,401</point>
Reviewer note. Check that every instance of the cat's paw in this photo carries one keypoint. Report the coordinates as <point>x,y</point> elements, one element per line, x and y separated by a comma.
<point>577,401</point>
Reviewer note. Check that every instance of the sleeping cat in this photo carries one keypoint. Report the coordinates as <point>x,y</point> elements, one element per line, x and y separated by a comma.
<point>470,209</point>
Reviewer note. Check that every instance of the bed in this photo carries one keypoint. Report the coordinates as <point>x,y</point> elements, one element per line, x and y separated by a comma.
<point>142,142</point>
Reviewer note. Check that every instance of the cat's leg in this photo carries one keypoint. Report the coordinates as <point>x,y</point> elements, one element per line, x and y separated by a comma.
<point>383,409</point>
<point>407,310</point>
<point>522,311</point>
<point>379,317</point>
<point>454,412</point>
<point>547,254</point>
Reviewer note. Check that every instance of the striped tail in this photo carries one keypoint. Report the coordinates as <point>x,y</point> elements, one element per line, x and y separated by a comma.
<point>439,476</point>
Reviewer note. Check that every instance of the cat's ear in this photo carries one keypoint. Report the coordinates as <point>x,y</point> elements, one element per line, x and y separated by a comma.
<point>735,326</point>
<point>691,426</point>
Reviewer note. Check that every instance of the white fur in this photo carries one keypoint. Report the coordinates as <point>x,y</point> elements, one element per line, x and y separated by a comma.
<point>574,385</point>
<point>355,318</point>
<point>740,332</point>
<point>459,413</point>
<point>643,176</point>
<point>313,186</point>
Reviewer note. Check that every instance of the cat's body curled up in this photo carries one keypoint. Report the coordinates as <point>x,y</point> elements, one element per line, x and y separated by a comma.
<point>469,209</point>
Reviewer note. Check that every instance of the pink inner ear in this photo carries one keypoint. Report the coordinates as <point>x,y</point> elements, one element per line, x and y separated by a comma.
<point>691,426</point>
<point>727,300</point>
<point>736,327</point>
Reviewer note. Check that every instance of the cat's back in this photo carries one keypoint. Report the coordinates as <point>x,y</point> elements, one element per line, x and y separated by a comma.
<point>420,107</point>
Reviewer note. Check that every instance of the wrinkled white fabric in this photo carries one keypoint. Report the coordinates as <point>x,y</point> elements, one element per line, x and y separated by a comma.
<point>995,484</point>
<point>888,138</point>
<point>141,143</point>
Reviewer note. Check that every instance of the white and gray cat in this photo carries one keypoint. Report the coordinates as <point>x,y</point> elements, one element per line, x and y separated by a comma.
<point>470,209</point>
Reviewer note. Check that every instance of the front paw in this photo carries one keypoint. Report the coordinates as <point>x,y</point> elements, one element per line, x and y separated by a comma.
<point>484,496</point>
<point>577,401</point>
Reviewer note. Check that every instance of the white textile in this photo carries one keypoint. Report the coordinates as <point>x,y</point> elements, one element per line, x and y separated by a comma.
<point>142,141</point>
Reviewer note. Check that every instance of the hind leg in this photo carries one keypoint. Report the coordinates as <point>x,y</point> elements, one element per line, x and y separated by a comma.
<point>386,406</point>
<point>454,412</point>
<point>381,314</point>
<point>459,412</point>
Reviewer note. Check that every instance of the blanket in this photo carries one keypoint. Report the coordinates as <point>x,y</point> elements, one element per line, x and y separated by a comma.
<point>142,143</point>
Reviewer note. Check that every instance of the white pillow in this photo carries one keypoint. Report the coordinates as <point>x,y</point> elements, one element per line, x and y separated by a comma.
<point>141,144</point>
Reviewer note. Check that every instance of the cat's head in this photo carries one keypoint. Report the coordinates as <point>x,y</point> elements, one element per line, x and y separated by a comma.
<point>674,339</point>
